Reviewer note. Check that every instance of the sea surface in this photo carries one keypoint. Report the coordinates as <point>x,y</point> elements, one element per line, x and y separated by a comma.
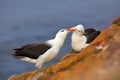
<point>29,21</point>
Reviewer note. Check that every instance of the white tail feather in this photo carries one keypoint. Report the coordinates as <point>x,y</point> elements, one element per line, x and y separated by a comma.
<point>28,59</point>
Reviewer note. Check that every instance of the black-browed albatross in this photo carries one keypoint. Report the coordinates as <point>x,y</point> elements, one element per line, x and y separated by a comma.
<point>39,53</point>
<point>81,37</point>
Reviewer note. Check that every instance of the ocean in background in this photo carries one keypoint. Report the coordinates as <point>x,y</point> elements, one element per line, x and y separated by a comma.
<point>29,21</point>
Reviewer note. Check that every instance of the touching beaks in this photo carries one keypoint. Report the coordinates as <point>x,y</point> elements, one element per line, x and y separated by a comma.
<point>68,30</point>
<point>71,29</point>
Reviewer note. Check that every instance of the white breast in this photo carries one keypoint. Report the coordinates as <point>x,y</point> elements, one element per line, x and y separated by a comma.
<point>78,42</point>
<point>50,54</point>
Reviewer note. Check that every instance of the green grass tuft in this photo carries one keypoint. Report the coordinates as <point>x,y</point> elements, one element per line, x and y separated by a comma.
<point>118,24</point>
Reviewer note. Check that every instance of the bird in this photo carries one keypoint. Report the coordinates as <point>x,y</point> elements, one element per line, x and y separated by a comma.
<point>41,52</point>
<point>82,37</point>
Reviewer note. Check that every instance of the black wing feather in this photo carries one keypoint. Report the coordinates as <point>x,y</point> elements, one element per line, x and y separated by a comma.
<point>32,50</point>
<point>89,31</point>
<point>92,36</point>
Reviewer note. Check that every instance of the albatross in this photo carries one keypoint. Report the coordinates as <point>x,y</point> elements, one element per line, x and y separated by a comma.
<point>39,53</point>
<point>81,37</point>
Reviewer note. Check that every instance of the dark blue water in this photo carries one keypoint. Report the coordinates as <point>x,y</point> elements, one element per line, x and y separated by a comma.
<point>29,21</point>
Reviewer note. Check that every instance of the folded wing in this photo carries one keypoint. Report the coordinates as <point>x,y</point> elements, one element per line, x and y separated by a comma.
<point>32,50</point>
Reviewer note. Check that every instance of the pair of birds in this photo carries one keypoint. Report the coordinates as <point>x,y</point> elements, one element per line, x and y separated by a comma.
<point>39,53</point>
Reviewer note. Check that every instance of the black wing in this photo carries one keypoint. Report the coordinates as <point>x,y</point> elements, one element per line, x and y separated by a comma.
<point>92,36</point>
<point>89,31</point>
<point>32,50</point>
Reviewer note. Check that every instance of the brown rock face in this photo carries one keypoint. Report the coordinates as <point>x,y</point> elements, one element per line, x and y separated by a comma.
<point>99,61</point>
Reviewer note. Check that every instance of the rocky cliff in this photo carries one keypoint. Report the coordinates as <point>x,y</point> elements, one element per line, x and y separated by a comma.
<point>99,61</point>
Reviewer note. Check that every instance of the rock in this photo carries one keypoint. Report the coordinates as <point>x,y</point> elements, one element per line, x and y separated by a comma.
<point>117,21</point>
<point>99,61</point>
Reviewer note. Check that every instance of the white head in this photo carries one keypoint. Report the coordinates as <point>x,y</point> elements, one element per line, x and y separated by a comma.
<point>78,29</point>
<point>59,38</point>
<point>62,34</point>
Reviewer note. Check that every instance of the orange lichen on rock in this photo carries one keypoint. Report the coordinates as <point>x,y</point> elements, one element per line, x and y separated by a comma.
<point>99,61</point>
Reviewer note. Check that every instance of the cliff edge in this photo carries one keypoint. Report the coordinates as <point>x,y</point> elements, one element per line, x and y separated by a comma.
<point>99,61</point>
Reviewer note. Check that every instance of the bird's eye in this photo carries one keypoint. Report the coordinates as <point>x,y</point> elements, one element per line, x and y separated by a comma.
<point>62,30</point>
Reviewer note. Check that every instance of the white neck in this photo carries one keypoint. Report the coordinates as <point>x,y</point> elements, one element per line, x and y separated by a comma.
<point>57,42</point>
<point>76,34</point>
<point>78,41</point>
